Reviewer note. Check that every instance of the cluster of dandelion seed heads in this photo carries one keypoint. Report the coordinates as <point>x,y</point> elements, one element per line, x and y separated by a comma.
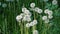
<point>26,15</point>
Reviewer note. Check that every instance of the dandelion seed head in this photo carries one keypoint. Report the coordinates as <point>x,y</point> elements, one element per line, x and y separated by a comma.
<point>18,18</point>
<point>27,25</point>
<point>46,11</point>
<point>31,24</point>
<point>50,17</point>
<point>44,18</point>
<point>24,9</point>
<point>36,9</point>
<point>26,18</point>
<point>50,12</point>
<point>54,2</point>
<point>35,21</point>
<point>35,32</point>
<point>32,5</point>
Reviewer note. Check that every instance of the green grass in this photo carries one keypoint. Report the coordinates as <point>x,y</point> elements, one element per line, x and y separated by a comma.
<point>9,25</point>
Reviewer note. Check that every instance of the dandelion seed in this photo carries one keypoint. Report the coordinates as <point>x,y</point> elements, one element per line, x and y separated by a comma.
<point>27,25</point>
<point>4,5</point>
<point>32,5</point>
<point>54,2</point>
<point>44,18</point>
<point>35,32</point>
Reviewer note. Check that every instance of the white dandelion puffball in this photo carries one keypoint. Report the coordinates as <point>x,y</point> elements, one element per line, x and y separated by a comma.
<point>27,25</point>
<point>4,5</point>
<point>50,12</point>
<point>50,17</point>
<point>32,5</point>
<point>46,11</point>
<point>39,11</point>
<point>35,32</point>
<point>46,21</point>
<point>24,9</point>
<point>54,2</point>
<point>31,24</point>
<point>22,14</point>
<point>35,21</point>
<point>26,18</point>
<point>44,18</point>
<point>36,9</point>
<point>18,18</point>
<point>27,12</point>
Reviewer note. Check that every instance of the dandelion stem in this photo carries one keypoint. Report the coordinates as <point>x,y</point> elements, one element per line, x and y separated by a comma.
<point>34,27</point>
<point>21,27</point>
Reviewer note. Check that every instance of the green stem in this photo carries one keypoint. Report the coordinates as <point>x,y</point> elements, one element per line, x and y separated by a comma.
<point>34,27</point>
<point>21,28</point>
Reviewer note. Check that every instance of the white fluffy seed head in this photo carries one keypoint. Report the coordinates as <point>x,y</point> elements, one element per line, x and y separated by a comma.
<point>35,21</point>
<point>32,5</point>
<point>44,18</point>
<point>46,11</point>
<point>26,18</point>
<point>24,9</point>
<point>27,25</point>
<point>50,16</point>
<point>54,2</point>
<point>31,24</point>
<point>35,32</point>
<point>27,13</point>
<point>38,10</point>
<point>50,13</point>
<point>19,17</point>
